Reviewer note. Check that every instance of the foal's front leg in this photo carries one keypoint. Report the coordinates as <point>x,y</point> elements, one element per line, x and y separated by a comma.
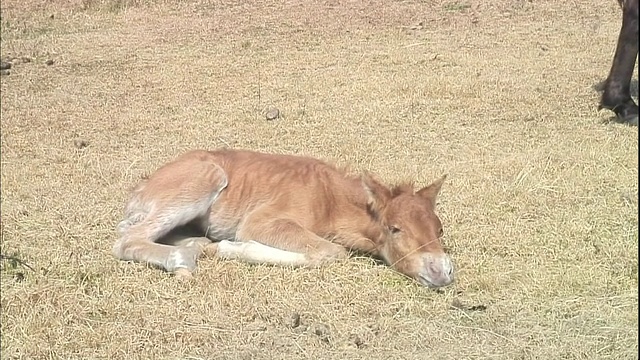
<point>277,241</point>
<point>255,252</point>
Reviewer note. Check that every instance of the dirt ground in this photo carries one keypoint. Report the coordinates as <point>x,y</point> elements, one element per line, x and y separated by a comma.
<point>540,207</point>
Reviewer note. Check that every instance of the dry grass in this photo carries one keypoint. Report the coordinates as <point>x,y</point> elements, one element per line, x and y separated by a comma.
<point>540,209</point>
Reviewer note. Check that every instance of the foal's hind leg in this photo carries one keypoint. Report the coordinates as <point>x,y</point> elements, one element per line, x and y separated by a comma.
<point>191,241</point>
<point>179,193</point>
<point>189,235</point>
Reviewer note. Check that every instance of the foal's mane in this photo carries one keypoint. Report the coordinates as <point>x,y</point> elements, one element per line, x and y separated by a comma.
<point>405,187</point>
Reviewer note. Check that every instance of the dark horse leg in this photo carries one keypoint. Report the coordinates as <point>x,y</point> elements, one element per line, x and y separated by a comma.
<point>617,94</point>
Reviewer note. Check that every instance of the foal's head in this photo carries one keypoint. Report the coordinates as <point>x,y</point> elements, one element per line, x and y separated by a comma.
<point>411,231</point>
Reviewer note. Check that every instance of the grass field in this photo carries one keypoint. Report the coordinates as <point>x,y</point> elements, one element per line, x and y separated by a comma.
<point>540,207</point>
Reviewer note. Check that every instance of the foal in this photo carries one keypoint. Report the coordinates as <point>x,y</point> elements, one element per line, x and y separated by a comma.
<point>280,210</point>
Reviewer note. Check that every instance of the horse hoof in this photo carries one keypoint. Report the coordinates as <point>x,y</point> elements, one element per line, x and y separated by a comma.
<point>627,113</point>
<point>631,119</point>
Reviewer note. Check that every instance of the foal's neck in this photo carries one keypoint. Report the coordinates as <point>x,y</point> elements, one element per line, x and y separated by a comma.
<point>356,228</point>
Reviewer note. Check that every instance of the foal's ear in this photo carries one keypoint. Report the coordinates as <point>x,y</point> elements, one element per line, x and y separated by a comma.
<point>431,192</point>
<point>378,195</point>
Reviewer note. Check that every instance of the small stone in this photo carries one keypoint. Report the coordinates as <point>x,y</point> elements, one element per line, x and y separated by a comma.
<point>5,72</point>
<point>5,65</point>
<point>80,143</point>
<point>322,331</point>
<point>357,341</point>
<point>457,305</point>
<point>293,320</point>
<point>273,114</point>
<point>49,62</point>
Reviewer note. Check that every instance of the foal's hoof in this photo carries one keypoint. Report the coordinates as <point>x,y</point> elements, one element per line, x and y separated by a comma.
<point>183,257</point>
<point>210,250</point>
<point>330,253</point>
<point>183,274</point>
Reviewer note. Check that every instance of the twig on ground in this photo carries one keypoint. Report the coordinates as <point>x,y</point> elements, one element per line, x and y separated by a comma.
<point>13,258</point>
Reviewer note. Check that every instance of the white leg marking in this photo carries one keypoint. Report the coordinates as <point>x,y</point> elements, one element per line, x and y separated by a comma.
<point>182,257</point>
<point>257,253</point>
<point>175,260</point>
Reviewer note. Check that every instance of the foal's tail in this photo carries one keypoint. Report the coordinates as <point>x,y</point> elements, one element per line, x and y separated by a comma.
<point>135,211</point>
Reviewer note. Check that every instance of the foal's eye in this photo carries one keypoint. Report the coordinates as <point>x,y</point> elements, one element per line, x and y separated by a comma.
<point>394,229</point>
<point>441,232</point>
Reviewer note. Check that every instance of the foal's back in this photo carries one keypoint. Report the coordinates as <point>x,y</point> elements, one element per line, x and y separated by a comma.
<point>308,190</point>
